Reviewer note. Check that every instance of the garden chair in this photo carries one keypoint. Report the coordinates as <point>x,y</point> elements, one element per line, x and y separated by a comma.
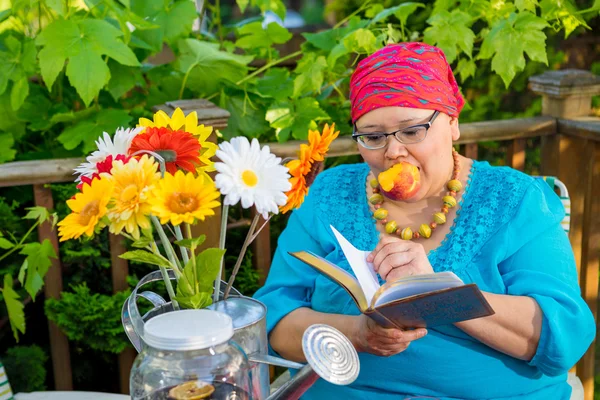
<point>5,390</point>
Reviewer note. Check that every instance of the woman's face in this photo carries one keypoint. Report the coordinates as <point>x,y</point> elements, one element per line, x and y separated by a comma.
<point>433,155</point>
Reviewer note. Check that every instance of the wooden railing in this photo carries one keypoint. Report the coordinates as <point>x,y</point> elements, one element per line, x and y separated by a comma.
<point>570,148</point>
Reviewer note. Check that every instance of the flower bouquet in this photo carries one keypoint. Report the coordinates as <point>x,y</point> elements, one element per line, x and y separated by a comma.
<point>151,183</point>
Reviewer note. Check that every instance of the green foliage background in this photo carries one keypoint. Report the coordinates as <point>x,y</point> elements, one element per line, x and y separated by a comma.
<point>74,68</point>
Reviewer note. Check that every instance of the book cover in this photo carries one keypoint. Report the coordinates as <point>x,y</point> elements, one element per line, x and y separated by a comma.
<point>411,302</point>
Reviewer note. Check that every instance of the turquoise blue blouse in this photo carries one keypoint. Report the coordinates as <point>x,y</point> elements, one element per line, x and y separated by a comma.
<point>506,238</point>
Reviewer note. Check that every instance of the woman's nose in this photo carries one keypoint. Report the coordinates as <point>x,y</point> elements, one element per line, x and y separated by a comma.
<point>395,149</point>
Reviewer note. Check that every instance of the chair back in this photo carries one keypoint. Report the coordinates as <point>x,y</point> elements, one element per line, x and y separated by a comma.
<point>563,193</point>
<point>5,390</point>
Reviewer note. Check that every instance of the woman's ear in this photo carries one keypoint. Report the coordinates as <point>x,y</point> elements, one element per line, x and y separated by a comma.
<point>454,130</point>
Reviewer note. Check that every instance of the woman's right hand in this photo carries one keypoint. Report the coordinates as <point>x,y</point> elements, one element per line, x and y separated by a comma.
<point>370,337</point>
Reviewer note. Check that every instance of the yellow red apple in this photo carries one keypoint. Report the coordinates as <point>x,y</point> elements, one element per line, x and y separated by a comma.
<point>400,182</point>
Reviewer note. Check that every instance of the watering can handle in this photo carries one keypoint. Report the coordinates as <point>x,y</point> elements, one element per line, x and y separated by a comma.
<point>133,322</point>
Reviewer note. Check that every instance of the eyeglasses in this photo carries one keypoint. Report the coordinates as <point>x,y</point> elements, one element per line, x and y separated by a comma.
<point>410,135</point>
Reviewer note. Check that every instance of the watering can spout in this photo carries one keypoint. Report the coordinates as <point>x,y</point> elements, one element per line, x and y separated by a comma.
<point>330,356</point>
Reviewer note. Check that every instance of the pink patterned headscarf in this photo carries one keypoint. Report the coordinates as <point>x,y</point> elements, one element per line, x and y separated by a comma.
<point>414,75</point>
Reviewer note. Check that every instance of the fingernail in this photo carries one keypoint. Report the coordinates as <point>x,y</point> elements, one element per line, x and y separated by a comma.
<point>424,332</point>
<point>370,258</point>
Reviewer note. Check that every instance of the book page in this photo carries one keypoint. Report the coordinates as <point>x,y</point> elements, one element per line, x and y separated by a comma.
<point>367,278</point>
<point>415,285</point>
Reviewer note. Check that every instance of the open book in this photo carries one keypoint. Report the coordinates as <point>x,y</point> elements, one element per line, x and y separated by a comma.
<point>410,302</point>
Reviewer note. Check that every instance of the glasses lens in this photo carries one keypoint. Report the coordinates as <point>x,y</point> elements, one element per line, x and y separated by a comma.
<point>373,141</point>
<point>412,135</point>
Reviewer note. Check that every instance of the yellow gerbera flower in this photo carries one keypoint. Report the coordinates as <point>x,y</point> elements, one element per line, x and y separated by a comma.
<point>129,207</point>
<point>183,198</point>
<point>178,121</point>
<point>88,207</point>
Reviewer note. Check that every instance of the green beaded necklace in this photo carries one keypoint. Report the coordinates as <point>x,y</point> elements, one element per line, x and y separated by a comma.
<point>439,218</point>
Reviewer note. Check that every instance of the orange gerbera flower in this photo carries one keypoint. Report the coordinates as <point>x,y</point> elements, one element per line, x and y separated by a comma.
<point>179,149</point>
<point>319,144</point>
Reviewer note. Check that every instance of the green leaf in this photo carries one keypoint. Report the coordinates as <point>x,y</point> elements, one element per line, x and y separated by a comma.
<point>58,6</point>
<point>245,119</point>
<point>38,212</point>
<point>276,83</point>
<point>451,33</point>
<point>19,93</point>
<point>179,19</point>
<point>196,301</point>
<point>4,14</point>
<point>564,13</point>
<point>276,6</point>
<point>208,67</point>
<point>5,244</point>
<point>295,119</point>
<point>253,35</point>
<point>402,12</point>
<point>88,130</point>
<point>310,79</point>
<point>242,4</point>
<point>6,143</point>
<point>22,272</point>
<point>526,5</point>
<point>374,10</point>
<point>187,243</point>
<point>38,263</point>
<point>123,79</point>
<point>16,316</point>
<point>208,263</point>
<point>509,39</point>
<point>465,68</point>
<point>146,257</point>
<point>83,44</point>
<point>361,41</point>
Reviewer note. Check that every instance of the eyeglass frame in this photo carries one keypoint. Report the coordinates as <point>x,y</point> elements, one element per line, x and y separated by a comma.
<point>426,125</point>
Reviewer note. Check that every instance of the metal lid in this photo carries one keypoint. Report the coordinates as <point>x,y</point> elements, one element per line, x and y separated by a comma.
<point>244,311</point>
<point>188,330</point>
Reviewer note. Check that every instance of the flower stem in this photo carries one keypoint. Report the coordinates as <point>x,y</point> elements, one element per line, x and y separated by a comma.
<point>188,230</point>
<point>167,245</point>
<point>166,279</point>
<point>238,263</point>
<point>183,250</point>
<point>224,215</point>
<point>255,235</point>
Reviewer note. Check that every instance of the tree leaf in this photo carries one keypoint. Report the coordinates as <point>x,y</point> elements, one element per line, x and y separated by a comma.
<point>451,32</point>
<point>242,4</point>
<point>146,257</point>
<point>361,41</point>
<point>19,93</point>
<point>310,78</point>
<point>16,316</point>
<point>245,119</point>
<point>61,39</point>
<point>565,13</point>
<point>88,130</point>
<point>276,83</point>
<point>208,263</point>
<point>38,212</point>
<point>38,263</point>
<point>6,143</point>
<point>253,35</point>
<point>465,68</point>
<point>208,67</point>
<point>295,119</point>
<point>22,271</point>
<point>276,6</point>
<point>526,5</point>
<point>179,19</point>
<point>402,11</point>
<point>103,37</point>
<point>123,79</point>
<point>5,244</point>
<point>509,39</point>
<point>187,243</point>
<point>88,73</point>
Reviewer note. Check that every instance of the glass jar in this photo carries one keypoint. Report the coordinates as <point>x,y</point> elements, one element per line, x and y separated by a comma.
<point>189,354</point>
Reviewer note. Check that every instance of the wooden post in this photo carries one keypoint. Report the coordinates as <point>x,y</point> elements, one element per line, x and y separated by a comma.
<point>119,272</point>
<point>471,150</point>
<point>209,115</point>
<point>574,160</point>
<point>53,285</point>
<point>516,154</point>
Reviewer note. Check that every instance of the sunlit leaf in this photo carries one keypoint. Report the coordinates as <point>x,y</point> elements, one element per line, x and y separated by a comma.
<point>16,316</point>
<point>451,33</point>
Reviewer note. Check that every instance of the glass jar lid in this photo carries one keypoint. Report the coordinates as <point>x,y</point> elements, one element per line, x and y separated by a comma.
<point>188,330</point>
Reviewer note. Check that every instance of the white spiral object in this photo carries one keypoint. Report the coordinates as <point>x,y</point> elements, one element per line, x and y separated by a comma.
<point>330,354</point>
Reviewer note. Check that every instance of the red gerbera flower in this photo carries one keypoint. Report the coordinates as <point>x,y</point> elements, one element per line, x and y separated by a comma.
<point>179,149</point>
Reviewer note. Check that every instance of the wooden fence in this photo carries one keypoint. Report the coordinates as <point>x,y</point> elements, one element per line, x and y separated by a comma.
<point>570,147</point>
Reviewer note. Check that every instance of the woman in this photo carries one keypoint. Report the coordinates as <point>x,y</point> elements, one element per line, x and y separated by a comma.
<point>498,228</point>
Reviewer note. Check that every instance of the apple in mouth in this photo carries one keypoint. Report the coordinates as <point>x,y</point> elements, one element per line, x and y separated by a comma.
<point>400,182</point>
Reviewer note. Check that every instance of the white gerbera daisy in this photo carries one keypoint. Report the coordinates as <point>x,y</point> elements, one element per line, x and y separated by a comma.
<point>251,174</point>
<point>106,146</point>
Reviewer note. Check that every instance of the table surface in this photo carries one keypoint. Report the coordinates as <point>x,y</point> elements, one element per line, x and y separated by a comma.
<point>55,395</point>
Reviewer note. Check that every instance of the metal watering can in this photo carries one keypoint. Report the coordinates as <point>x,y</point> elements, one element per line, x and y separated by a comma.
<point>330,354</point>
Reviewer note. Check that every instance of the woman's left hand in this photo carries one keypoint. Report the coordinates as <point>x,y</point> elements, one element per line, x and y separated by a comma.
<point>394,258</point>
